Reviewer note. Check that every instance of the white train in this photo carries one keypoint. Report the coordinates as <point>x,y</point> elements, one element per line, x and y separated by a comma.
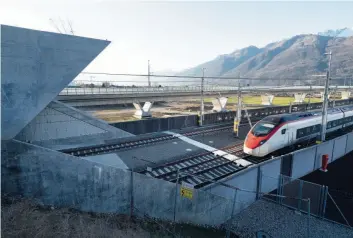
<point>277,132</point>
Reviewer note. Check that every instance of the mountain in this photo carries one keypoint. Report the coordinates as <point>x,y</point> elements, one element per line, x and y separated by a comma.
<point>224,63</point>
<point>343,32</point>
<point>298,57</point>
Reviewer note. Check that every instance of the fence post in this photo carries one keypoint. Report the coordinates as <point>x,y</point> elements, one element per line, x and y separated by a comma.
<point>300,194</point>
<point>231,216</point>
<point>279,190</point>
<point>324,201</point>
<point>309,217</point>
<point>259,183</point>
<point>234,201</point>
<point>132,194</point>
<point>176,195</point>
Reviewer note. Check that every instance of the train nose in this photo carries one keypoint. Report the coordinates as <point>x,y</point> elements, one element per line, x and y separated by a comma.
<point>247,150</point>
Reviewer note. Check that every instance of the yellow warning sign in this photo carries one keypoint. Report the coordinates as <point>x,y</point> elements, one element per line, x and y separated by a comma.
<point>186,190</point>
<point>236,126</point>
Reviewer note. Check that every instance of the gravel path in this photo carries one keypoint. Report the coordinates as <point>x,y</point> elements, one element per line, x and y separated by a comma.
<point>279,221</point>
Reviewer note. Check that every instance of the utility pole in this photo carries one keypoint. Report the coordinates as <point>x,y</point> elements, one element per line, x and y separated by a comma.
<point>149,72</point>
<point>325,102</point>
<point>238,117</point>
<point>202,99</point>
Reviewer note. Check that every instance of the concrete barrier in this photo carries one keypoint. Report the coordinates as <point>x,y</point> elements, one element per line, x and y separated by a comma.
<point>204,208</point>
<point>349,143</point>
<point>303,162</point>
<point>270,172</point>
<point>61,180</point>
<point>324,148</point>
<point>339,147</point>
<point>157,124</point>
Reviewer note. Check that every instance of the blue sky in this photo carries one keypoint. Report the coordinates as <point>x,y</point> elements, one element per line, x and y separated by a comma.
<point>176,35</point>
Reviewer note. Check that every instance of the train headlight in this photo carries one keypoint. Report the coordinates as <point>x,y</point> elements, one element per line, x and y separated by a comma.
<point>262,142</point>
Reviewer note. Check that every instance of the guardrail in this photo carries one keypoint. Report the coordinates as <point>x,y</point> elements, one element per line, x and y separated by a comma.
<point>184,89</point>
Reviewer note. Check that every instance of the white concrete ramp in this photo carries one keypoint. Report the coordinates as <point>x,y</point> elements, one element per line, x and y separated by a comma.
<point>144,111</point>
<point>267,99</point>
<point>35,67</point>
<point>219,104</point>
<point>215,151</point>
<point>299,97</point>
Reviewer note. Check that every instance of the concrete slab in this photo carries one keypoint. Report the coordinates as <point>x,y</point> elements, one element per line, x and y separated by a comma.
<point>108,159</point>
<point>219,139</point>
<point>36,67</point>
<point>138,158</point>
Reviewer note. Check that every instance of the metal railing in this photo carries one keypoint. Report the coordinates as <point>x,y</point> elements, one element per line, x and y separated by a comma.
<point>187,89</point>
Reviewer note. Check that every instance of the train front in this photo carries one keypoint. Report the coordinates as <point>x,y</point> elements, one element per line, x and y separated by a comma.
<point>256,142</point>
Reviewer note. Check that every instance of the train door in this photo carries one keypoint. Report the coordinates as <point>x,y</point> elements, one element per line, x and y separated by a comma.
<point>286,135</point>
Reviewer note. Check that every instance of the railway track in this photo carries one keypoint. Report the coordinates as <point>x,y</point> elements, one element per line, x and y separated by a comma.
<point>114,147</point>
<point>199,169</point>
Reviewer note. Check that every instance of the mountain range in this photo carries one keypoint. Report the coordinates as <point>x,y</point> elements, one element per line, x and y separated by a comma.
<point>300,56</point>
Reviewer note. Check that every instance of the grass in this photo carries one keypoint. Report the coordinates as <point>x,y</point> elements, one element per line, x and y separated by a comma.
<point>281,101</point>
<point>23,218</point>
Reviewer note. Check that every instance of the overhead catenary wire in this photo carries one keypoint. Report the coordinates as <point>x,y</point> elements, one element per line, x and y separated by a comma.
<point>197,77</point>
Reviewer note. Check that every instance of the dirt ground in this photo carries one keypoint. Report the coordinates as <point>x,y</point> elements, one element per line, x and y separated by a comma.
<point>23,218</point>
<point>179,108</point>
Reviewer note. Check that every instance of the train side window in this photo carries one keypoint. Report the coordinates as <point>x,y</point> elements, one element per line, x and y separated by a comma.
<point>283,131</point>
<point>308,130</point>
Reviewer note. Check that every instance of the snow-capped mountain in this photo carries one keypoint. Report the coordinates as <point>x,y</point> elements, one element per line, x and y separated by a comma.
<point>344,32</point>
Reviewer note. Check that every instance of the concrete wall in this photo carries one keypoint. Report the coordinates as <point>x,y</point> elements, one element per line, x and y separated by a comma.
<point>322,149</point>
<point>157,124</point>
<point>303,162</point>
<point>270,172</point>
<point>36,66</point>
<point>245,180</point>
<point>53,178</point>
<point>58,121</point>
<point>339,147</point>
<point>349,143</point>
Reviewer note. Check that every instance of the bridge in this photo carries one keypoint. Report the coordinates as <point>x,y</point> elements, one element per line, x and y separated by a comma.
<point>88,97</point>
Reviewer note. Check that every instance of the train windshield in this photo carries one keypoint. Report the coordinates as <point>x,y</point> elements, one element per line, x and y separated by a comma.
<point>262,129</point>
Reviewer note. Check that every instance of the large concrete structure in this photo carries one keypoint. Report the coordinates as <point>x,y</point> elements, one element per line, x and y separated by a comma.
<point>90,97</point>
<point>35,67</point>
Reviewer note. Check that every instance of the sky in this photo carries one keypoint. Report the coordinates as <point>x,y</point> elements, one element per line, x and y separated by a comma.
<point>175,35</point>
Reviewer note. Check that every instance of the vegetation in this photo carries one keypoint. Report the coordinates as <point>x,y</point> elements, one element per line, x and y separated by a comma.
<point>280,101</point>
<point>23,218</point>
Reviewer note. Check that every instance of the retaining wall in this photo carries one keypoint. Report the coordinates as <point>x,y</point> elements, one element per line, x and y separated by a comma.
<point>61,180</point>
<point>157,124</point>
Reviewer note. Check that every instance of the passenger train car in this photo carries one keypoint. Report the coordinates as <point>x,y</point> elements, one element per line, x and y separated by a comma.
<point>277,132</point>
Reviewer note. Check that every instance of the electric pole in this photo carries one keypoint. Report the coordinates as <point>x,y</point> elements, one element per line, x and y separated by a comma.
<point>149,72</point>
<point>238,116</point>
<point>325,102</point>
<point>202,99</point>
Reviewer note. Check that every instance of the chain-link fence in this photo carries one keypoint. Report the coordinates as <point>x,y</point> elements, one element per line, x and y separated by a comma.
<point>322,203</point>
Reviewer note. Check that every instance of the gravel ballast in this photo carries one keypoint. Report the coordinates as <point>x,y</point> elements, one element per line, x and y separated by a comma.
<point>279,221</point>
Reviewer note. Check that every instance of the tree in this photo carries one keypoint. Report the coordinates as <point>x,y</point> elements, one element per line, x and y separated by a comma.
<point>106,85</point>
